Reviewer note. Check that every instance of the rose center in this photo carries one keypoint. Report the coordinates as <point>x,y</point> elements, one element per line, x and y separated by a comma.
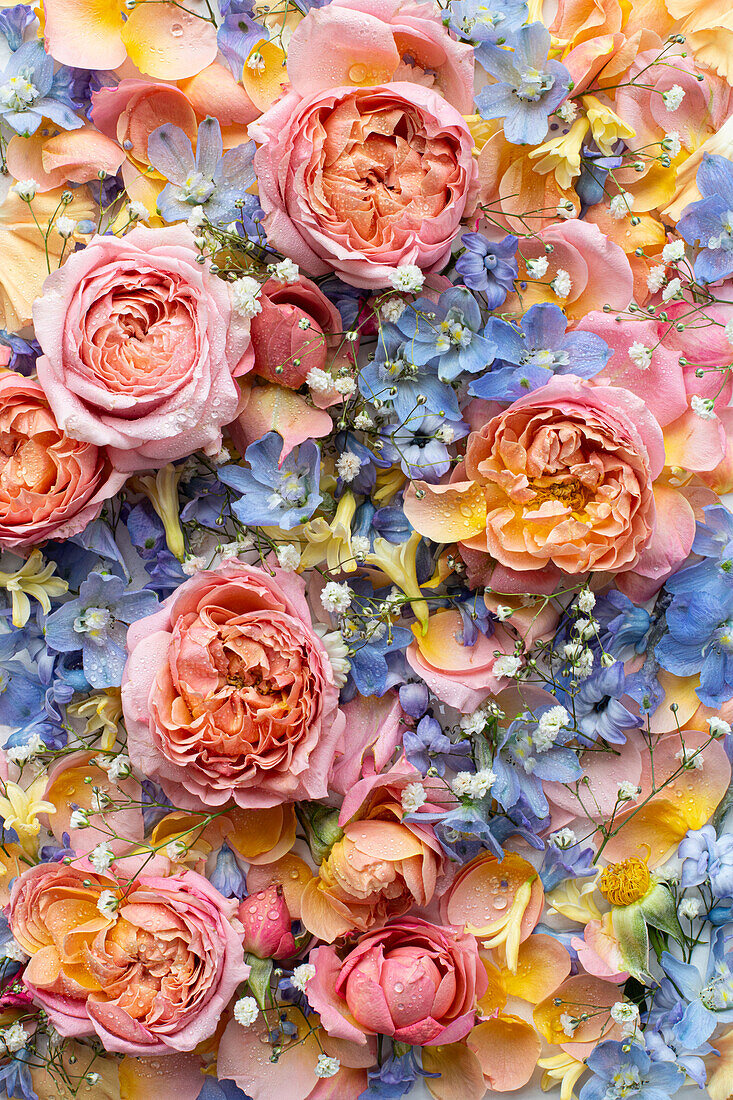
<point>569,492</point>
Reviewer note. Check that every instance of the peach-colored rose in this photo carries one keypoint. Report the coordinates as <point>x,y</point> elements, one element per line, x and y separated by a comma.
<point>414,981</point>
<point>229,693</point>
<point>563,478</point>
<point>140,344</point>
<point>51,486</point>
<point>151,977</point>
<point>360,180</point>
<point>366,42</point>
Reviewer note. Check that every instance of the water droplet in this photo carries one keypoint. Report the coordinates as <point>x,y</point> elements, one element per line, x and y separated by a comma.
<point>176,30</point>
<point>273,914</point>
<point>357,73</point>
<point>398,987</point>
<point>500,903</point>
<point>293,874</point>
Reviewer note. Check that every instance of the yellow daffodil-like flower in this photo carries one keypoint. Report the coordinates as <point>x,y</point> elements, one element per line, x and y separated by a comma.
<point>562,1068</point>
<point>638,901</point>
<point>162,492</point>
<point>562,154</point>
<point>397,561</point>
<point>103,711</point>
<point>605,125</point>
<point>20,809</point>
<point>34,579</point>
<point>330,542</point>
<point>575,899</point>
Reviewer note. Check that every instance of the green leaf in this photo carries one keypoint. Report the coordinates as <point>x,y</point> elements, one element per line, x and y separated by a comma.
<point>259,978</point>
<point>629,928</point>
<point>659,910</point>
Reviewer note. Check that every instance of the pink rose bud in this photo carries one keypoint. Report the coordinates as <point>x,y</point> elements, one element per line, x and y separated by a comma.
<point>295,332</point>
<point>266,921</point>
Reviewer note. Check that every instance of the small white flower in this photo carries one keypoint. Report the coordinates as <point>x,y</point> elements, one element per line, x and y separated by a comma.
<point>567,111</point>
<point>363,422</point>
<point>320,381</point>
<point>621,205</point>
<point>21,754</point>
<point>584,664</point>
<point>562,284</point>
<point>690,908</point>
<point>120,768</point>
<point>65,226</point>
<point>108,903</point>
<point>407,277</point>
<point>192,564</point>
<point>337,650</point>
<point>288,556</point>
<point>481,783</point>
<point>473,723</point>
<point>719,727</point>
<point>327,1067</point>
<point>563,838</point>
<point>346,386</point>
<point>79,819</point>
<point>585,628</point>
<point>361,546</point>
<point>504,612</point>
<point>627,790</point>
<point>392,309</point>
<point>640,355</point>
<point>196,219</point>
<point>246,1011</point>
<point>508,665</point>
<point>626,1014</point>
<point>413,797</point>
<point>445,433</point>
<point>220,457</point>
<point>136,210</point>
<point>302,975</point>
<point>673,97</point>
<point>656,278</point>
<point>704,407</point>
<point>285,272</point>
<point>245,296</point>
<point>348,466</point>
<point>553,720</point>
<point>690,760</point>
<point>569,1023</point>
<point>26,189</point>
<point>536,269</point>
<point>256,62</point>
<point>586,601</point>
<point>671,290</point>
<point>460,784</point>
<point>672,144</point>
<point>176,850</point>
<point>14,1038</point>
<point>101,858</point>
<point>11,949</point>
<point>336,597</point>
<point>566,209</point>
<point>673,251</point>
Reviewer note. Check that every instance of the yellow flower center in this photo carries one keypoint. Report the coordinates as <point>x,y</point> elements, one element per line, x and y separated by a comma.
<point>569,491</point>
<point>624,883</point>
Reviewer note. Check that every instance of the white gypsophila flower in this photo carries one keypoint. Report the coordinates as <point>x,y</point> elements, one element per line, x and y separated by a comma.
<point>673,251</point>
<point>718,727</point>
<point>288,556</point>
<point>65,226</point>
<point>586,601</point>
<point>504,612</point>
<point>481,783</point>
<point>536,269</point>
<point>245,295</point>
<point>571,652</point>
<point>627,790</point>
<point>407,277</point>
<point>627,1015</point>
<point>120,768</point>
<point>566,209</point>
<point>672,289</point>
<point>413,797</point>
<point>256,62</point>
<point>220,457</point>
<point>640,355</point>
<point>79,819</point>
<point>460,784</point>
<point>14,1038</point>
<point>672,144</point>
<point>584,664</point>
<point>345,385</point>
<point>569,1024</point>
<point>336,597</point>
<point>348,466</point>
<point>246,1011</point>
<point>137,210</point>
<point>26,189</point>
<point>337,650</point>
<point>320,381</point>
<point>302,975</point>
<point>673,98</point>
<point>327,1067</point>
<point>363,421</point>
<point>11,949</point>
<point>193,563</point>
<point>692,759</point>
<point>445,433</point>
<point>392,309</point>
<point>196,219</point>
<point>101,858</point>
<point>553,720</point>
<point>361,546</point>
<point>656,278</point>
<point>563,838</point>
<point>690,908</point>
<point>21,754</point>
<point>584,628</point>
<point>704,407</point>
<point>562,284</point>
<point>507,665</point>
<point>285,272</point>
<point>621,205</point>
<point>108,903</point>
<point>473,723</point>
<point>567,111</point>
<point>176,850</point>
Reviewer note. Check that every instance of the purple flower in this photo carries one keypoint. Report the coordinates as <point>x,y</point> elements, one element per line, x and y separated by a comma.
<point>707,858</point>
<point>490,266</point>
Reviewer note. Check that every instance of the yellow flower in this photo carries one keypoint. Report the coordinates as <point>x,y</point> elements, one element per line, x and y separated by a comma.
<point>20,809</point>
<point>162,492</point>
<point>626,882</point>
<point>562,154</point>
<point>34,578</point>
<point>606,127</point>
<point>103,711</point>
<point>574,899</point>
<point>330,542</point>
<point>397,561</point>
<point>563,1068</point>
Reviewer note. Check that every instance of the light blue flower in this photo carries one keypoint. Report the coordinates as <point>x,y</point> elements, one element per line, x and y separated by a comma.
<point>700,642</point>
<point>624,1071</point>
<point>209,180</point>
<point>709,221</point>
<point>30,91</point>
<point>528,86</point>
<point>714,543</point>
<point>707,858</point>
<point>394,379</point>
<point>447,332</point>
<point>228,877</point>
<point>419,445</point>
<point>490,266</point>
<point>96,623</point>
<point>709,995</point>
<point>599,712</point>
<point>526,754</point>
<point>274,492</point>
<point>479,21</point>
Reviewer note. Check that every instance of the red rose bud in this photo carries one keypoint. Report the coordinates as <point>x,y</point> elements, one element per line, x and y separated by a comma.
<point>266,920</point>
<point>294,333</point>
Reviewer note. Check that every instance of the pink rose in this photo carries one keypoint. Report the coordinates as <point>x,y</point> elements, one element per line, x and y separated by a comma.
<point>229,694</point>
<point>266,921</point>
<point>151,976</point>
<point>367,42</point>
<point>361,180</point>
<point>140,344</point>
<point>414,981</point>
<point>51,486</point>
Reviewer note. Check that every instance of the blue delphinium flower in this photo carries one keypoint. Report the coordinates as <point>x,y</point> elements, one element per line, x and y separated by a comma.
<point>714,543</point>
<point>700,641</point>
<point>220,1090</point>
<point>624,624</point>
<point>663,1045</point>
<point>590,186</point>
<point>626,1070</point>
<point>13,22</point>
<point>210,180</point>
<point>16,1080</point>
<point>490,266</point>
<point>528,354</point>
<point>447,331</point>
<point>419,444</point>
<point>228,877</point>
<point>273,493</point>
<point>414,699</point>
<point>375,654</point>
<point>395,379</point>
<point>528,86</point>
<point>565,861</point>
<point>239,33</point>
<point>529,750</point>
<point>707,858</point>
<point>709,221</point>
<point>599,713</point>
<point>479,21</point>
<point>30,91</point>
<point>23,353</point>
<point>468,829</point>
<point>708,995</point>
<point>96,623</point>
<point>428,747</point>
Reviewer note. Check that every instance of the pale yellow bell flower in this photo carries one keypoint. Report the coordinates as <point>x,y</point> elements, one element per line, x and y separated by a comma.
<point>606,126</point>
<point>330,542</point>
<point>509,930</point>
<point>563,1069</point>
<point>562,154</point>
<point>576,899</point>
<point>20,808</point>
<point>103,711</point>
<point>397,561</point>
<point>34,579</point>
<point>162,492</point>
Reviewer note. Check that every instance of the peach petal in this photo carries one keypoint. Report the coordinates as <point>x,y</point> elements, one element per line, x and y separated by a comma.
<point>81,155</point>
<point>356,48</point>
<point>67,784</point>
<point>507,1049</point>
<point>446,513</point>
<point>166,41</point>
<point>604,772</point>
<point>214,91</point>
<point>577,995</point>
<point>264,85</point>
<point>495,997</point>
<point>347,1084</point>
<point>178,1078</point>
<point>273,408</point>
<point>461,1076</point>
<point>542,964</point>
<point>484,889</point>
<point>244,1059</point>
<point>84,33</point>
<point>319,916</point>
<point>291,872</point>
